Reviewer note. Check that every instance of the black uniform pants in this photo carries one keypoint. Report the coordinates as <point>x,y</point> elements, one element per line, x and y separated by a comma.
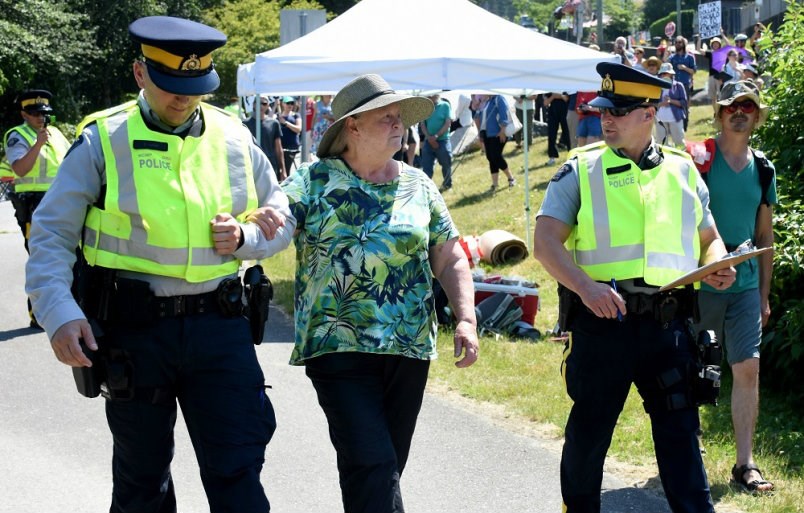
<point>24,204</point>
<point>208,363</point>
<point>371,402</point>
<point>602,359</point>
<point>557,117</point>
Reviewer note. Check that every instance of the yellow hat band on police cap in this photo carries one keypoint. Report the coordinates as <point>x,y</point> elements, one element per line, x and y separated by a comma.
<point>177,62</point>
<point>634,89</point>
<point>34,101</point>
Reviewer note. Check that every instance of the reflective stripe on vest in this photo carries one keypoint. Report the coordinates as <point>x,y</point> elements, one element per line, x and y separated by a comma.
<point>44,168</point>
<point>152,177</point>
<point>5,170</point>
<point>636,224</point>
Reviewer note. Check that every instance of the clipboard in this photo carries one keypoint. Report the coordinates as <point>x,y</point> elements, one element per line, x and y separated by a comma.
<point>729,260</point>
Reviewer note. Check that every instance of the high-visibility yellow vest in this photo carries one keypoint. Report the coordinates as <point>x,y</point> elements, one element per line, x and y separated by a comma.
<point>5,169</point>
<point>163,191</point>
<point>46,164</point>
<point>634,223</point>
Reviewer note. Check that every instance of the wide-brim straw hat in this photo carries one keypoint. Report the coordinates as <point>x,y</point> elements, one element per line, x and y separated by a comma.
<point>365,93</point>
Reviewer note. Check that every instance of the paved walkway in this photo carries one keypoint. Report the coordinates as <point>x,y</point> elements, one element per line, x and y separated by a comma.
<point>55,448</point>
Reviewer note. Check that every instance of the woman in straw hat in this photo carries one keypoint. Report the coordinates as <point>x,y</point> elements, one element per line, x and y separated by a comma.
<point>371,234</point>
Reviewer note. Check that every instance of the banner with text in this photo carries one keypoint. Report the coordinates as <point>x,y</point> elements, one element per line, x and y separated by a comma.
<point>709,18</point>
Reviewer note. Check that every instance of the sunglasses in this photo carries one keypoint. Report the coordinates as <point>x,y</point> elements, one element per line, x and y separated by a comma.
<point>264,104</point>
<point>622,111</point>
<point>746,106</point>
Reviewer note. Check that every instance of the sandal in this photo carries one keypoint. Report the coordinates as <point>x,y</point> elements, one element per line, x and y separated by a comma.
<point>738,477</point>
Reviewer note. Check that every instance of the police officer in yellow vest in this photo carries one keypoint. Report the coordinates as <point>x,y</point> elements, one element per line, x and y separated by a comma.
<point>157,192</point>
<point>620,219</point>
<point>34,151</point>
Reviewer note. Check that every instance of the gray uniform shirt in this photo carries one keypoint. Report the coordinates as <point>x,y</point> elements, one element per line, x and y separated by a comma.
<point>562,200</point>
<point>59,220</point>
<point>16,146</point>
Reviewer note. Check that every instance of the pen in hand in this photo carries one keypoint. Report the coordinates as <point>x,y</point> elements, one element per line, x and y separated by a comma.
<point>619,313</point>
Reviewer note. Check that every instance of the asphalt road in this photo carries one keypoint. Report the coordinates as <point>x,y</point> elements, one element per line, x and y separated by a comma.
<point>55,448</point>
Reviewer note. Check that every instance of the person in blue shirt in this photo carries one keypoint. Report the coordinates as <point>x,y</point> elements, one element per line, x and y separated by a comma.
<point>436,144</point>
<point>684,66</point>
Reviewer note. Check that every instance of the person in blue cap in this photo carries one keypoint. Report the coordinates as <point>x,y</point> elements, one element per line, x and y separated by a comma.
<point>34,151</point>
<point>155,192</point>
<point>634,216</point>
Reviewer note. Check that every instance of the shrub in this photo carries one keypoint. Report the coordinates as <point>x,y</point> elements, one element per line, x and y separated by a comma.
<point>782,140</point>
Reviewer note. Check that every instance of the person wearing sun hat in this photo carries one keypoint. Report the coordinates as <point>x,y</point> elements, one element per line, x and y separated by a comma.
<point>669,127</point>
<point>620,219</point>
<point>157,191</point>
<point>34,150</point>
<point>742,185</point>
<point>372,233</point>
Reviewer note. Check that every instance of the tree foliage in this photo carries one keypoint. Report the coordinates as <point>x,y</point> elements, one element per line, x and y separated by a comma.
<point>782,139</point>
<point>625,19</point>
<point>41,46</point>
<point>657,9</point>
<point>251,27</point>
<point>657,27</point>
<point>77,49</point>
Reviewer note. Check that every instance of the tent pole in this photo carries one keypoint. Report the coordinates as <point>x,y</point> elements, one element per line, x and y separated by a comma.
<point>257,119</point>
<point>525,138</point>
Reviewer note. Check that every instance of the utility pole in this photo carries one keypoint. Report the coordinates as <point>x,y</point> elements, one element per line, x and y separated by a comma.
<point>678,17</point>
<point>600,24</point>
<point>579,24</point>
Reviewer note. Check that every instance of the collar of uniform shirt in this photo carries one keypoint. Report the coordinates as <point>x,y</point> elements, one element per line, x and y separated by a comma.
<point>152,118</point>
<point>651,157</point>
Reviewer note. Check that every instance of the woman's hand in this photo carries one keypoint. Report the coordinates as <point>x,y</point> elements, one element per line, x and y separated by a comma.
<point>268,219</point>
<point>466,343</point>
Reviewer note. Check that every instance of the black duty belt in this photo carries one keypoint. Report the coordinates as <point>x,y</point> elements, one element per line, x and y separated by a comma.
<point>664,306</point>
<point>178,306</point>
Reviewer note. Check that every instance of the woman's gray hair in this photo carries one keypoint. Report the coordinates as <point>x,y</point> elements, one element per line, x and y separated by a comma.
<point>339,145</point>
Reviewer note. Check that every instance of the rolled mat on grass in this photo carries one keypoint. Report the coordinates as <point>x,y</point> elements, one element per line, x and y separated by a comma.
<point>502,247</point>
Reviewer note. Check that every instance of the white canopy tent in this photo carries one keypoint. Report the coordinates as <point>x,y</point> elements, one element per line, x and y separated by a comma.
<point>425,45</point>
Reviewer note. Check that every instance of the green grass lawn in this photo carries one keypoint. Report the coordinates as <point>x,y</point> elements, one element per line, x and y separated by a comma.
<point>524,377</point>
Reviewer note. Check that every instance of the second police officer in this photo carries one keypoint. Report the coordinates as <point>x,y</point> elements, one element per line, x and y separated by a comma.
<point>157,191</point>
<point>34,151</point>
<point>635,215</point>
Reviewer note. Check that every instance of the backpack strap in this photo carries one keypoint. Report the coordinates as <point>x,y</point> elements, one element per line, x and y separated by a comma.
<point>765,173</point>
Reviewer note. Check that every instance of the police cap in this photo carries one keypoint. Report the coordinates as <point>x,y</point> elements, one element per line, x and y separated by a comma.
<point>178,53</point>
<point>35,100</point>
<point>624,86</point>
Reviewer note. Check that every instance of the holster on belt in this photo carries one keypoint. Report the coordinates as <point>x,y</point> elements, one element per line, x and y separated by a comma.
<point>567,304</point>
<point>259,293</point>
